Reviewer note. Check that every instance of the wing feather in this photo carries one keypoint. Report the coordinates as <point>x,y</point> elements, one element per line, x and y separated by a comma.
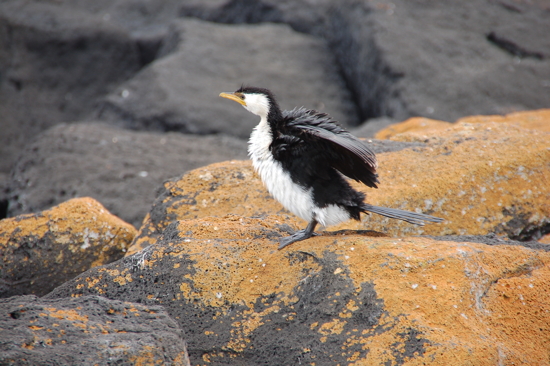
<point>340,149</point>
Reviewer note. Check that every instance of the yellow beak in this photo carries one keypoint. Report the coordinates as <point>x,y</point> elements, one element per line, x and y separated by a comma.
<point>233,97</point>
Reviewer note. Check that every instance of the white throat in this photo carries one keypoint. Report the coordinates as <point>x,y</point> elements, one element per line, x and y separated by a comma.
<point>257,104</point>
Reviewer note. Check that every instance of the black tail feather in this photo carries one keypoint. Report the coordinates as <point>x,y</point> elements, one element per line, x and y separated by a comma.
<point>410,217</point>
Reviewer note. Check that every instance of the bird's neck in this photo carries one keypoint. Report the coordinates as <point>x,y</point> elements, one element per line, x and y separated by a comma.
<point>274,117</point>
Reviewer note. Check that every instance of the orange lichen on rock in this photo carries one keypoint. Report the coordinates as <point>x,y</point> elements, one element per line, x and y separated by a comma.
<point>87,331</point>
<point>538,120</point>
<point>452,291</point>
<point>489,177</point>
<point>346,299</point>
<point>213,191</point>
<point>496,179</point>
<point>59,243</point>
<point>207,287</point>
<point>457,296</point>
<point>412,125</point>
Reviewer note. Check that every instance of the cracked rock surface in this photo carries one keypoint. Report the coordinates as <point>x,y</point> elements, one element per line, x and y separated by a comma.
<point>118,100</point>
<point>336,298</point>
<point>159,66</point>
<point>89,330</point>
<point>40,251</point>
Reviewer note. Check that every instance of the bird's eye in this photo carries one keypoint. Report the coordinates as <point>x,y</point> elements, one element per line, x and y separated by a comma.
<point>240,95</point>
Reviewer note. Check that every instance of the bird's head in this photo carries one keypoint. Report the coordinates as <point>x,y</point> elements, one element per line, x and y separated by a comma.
<point>259,101</point>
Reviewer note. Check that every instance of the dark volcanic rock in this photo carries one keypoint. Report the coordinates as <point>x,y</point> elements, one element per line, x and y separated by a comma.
<point>180,91</point>
<point>220,328</point>
<point>58,57</point>
<point>447,66</point>
<point>41,251</point>
<point>120,168</point>
<point>335,298</point>
<point>4,178</point>
<point>369,129</point>
<point>89,330</point>
<point>54,63</point>
<point>407,58</point>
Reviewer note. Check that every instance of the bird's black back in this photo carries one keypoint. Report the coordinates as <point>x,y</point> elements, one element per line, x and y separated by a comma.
<point>314,149</point>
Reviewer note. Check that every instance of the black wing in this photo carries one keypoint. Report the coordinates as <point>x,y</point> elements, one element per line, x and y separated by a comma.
<point>314,136</point>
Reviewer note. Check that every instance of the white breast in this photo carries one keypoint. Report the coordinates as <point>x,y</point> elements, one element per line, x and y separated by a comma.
<point>278,182</point>
<point>293,197</point>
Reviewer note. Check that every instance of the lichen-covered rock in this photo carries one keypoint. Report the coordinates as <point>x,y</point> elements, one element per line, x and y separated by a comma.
<point>487,173</point>
<point>481,177</point>
<point>89,330</point>
<point>335,299</point>
<point>489,177</point>
<point>215,190</point>
<point>42,250</point>
<point>538,120</point>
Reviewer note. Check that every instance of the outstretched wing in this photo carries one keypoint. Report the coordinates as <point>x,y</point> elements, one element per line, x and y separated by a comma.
<point>316,133</point>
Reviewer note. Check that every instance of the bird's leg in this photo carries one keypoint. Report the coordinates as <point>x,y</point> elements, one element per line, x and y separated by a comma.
<point>299,235</point>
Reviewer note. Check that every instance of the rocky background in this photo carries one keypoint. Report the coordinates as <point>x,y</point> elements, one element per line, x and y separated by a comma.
<point>144,253</point>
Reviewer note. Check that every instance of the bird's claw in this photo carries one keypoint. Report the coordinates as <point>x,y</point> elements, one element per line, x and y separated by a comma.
<point>297,236</point>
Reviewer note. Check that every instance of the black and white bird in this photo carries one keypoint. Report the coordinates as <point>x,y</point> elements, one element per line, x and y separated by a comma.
<point>302,157</point>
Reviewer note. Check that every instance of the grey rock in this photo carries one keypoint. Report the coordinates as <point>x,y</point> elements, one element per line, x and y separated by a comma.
<point>54,63</point>
<point>492,239</point>
<point>303,16</point>
<point>448,68</point>
<point>179,92</point>
<point>355,59</point>
<point>173,271</point>
<point>145,21</point>
<point>168,264</point>
<point>88,330</point>
<point>4,178</point>
<point>419,58</point>
<point>370,127</point>
<point>121,169</point>
<point>385,146</point>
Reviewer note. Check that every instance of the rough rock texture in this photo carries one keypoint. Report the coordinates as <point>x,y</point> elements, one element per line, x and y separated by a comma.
<point>508,172</point>
<point>368,59</point>
<point>42,250</point>
<point>218,190</point>
<point>179,92</point>
<point>481,177</point>
<point>420,58</point>
<point>538,120</point>
<point>90,330</point>
<point>335,299</point>
<point>485,177</point>
<point>3,195</point>
<point>55,62</point>
<point>122,169</point>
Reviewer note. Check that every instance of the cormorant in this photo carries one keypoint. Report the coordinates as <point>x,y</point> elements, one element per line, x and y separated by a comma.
<point>302,157</point>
